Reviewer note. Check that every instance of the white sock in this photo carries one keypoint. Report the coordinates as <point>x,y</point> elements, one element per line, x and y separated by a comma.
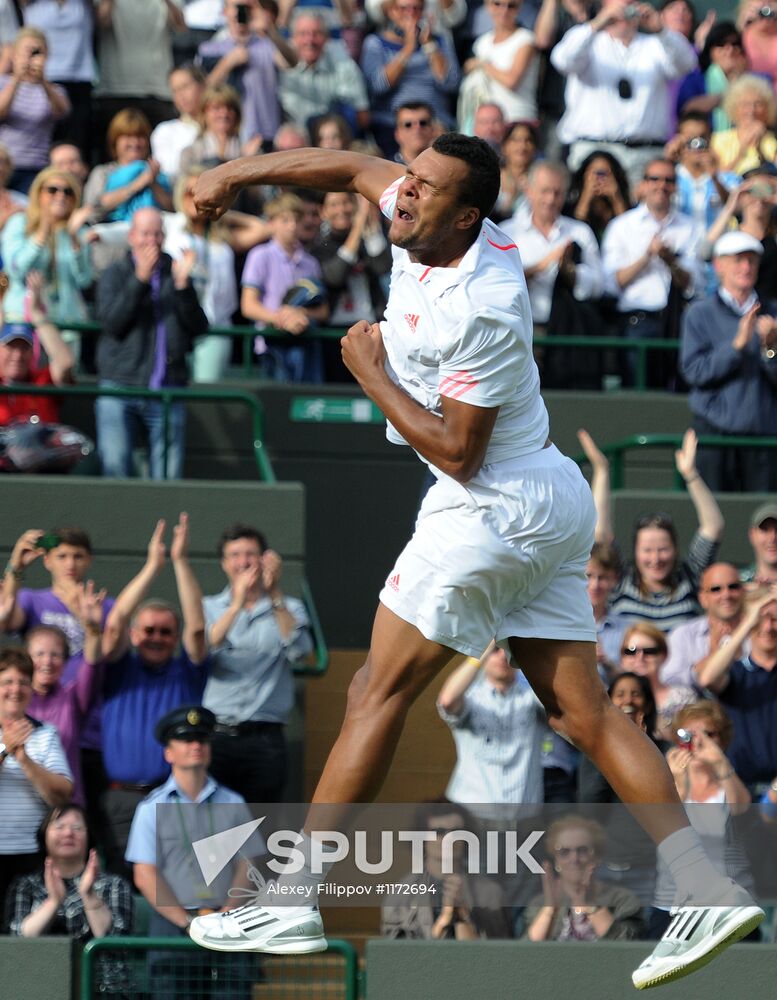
<point>693,873</point>
<point>305,880</point>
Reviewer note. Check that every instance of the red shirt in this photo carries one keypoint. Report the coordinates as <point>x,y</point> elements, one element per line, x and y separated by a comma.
<point>45,407</point>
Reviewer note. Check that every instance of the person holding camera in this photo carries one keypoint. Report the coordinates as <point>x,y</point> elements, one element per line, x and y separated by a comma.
<point>757,20</point>
<point>29,108</point>
<point>651,266</point>
<point>618,67</point>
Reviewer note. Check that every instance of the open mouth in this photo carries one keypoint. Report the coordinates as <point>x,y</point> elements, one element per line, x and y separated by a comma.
<point>404,216</point>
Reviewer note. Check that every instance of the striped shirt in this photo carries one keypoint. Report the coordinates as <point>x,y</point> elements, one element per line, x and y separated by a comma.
<point>27,127</point>
<point>21,805</point>
<point>498,745</point>
<point>666,609</point>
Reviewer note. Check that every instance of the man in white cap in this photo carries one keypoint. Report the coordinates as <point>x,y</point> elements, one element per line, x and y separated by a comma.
<point>728,356</point>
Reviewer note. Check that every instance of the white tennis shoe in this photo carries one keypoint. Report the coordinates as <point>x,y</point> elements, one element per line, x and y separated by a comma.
<point>259,928</point>
<point>695,936</point>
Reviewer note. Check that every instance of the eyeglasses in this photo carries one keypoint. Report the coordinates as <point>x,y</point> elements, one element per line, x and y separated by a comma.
<point>421,123</point>
<point>164,630</point>
<point>510,4</point>
<point>53,189</point>
<point>583,851</point>
<point>60,825</point>
<point>660,179</point>
<point>719,587</point>
<point>644,650</point>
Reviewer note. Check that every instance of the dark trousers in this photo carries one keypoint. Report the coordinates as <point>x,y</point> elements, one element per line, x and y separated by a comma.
<point>119,805</point>
<point>77,127</point>
<point>95,782</point>
<point>559,785</point>
<point>638,325</point>
<point>735,470</point>
<point>252,763</point>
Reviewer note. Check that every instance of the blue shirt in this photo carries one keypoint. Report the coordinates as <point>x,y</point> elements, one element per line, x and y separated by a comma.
<point>163,837</point>
<point>750,698</point>
<point>250,672</point>
<point>136,696</point>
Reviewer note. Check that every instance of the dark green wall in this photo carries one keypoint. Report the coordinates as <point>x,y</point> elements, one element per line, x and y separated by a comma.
<point>36,969</point>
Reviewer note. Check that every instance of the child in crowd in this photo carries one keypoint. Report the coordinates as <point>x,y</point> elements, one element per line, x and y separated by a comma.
<point>281,287</point>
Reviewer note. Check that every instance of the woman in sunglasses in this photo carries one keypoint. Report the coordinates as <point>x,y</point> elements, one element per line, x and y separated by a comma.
<point>51,238</point>
<point>643,652</point>
<point>575,905</point>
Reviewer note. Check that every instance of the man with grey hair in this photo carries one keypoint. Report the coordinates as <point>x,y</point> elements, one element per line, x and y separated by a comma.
<point>325,78</point>
<point>146,678</point>
<point>553,246</point>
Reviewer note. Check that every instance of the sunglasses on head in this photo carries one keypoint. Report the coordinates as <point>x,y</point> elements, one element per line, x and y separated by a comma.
<point>52,189</point>
<point>645,650</point>
<point>717,588</point>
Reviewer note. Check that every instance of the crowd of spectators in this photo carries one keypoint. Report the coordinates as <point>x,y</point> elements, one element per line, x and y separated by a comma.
<point>638,179</point>
<point>108,706</point>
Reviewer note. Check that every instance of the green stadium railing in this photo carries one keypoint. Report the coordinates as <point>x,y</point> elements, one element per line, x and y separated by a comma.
<point>616,450</point>
<point>640,347</point>
<point>331,975</point>
<point>264,466</point>
<point>167,397</point>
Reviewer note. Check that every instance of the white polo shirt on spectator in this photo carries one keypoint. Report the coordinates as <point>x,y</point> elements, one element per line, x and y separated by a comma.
<point>627,238</point>
<point>594,63</point>
<point>498,745</point>
<point>21,806</point>
<point>465,332</point>
<point>534,245</point>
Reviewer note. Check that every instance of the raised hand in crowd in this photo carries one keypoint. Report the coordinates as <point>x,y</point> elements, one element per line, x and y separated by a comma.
<point>182,268</point>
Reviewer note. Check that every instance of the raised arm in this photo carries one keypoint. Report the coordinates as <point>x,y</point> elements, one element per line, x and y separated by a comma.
<point>116,633</point>
<point>322,169</point>
<point>189,593</point>
<point>711,523</point>
<point>451,696</point>
<point>600,487</point>
<point>713,671</point>
<point>61,360</point>
<point>25,552</point>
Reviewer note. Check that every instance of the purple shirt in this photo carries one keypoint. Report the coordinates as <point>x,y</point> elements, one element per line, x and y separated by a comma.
<point>159,370</point>
<point>66,708</point>
<point>26,129</point>
<point>41,607</point>
<point>271,270</point>
<point>256,82</point>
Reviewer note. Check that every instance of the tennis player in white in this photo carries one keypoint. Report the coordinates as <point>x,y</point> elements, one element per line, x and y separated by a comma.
<point>502,538</point>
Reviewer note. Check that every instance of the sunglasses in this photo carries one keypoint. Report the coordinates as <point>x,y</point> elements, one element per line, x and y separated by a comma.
<point>421,123</point>
<point>645,650</point>
<point>53,189</point>
<point>584,851</point>
<point>510,4</point>
<point>720,587</point>
<point>164,630</point>
<point>660,179</point>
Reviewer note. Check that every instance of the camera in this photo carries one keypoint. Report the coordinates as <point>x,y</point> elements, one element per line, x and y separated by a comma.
<point>698,142</point>
<point>242,13</point>
<point>48,542</point>
<point>767,12</point>
<point>685,739</point>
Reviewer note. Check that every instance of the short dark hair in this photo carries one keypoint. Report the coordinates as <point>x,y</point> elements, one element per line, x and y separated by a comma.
<point>240,530</point>
<point>695,116</point>
<point>15,656</point>
<point>481,186</point>
<point>57,812</point>
<point>414,106</point>
<point>608,556</point>
<point>69,534</point>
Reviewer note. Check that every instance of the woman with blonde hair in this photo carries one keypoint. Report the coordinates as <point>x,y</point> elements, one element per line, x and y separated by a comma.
<point>51,238</point>
<point>751,105</point>
<point>575,905</point>
<point>214,245</point>
<point>30,106</point>
<point>133,178</point>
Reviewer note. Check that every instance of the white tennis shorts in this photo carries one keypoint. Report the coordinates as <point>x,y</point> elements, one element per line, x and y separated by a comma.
<point>502,556</point>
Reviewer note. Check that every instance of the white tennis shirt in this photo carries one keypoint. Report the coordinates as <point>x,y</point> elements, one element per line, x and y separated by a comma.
<point>466,332</point>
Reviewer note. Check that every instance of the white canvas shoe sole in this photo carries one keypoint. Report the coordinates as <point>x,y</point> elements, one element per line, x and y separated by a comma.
<point>724,929</point>
<point>256,929</point>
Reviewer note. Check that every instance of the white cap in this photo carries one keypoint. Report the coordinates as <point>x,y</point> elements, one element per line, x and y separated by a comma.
<point>736,242</point>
